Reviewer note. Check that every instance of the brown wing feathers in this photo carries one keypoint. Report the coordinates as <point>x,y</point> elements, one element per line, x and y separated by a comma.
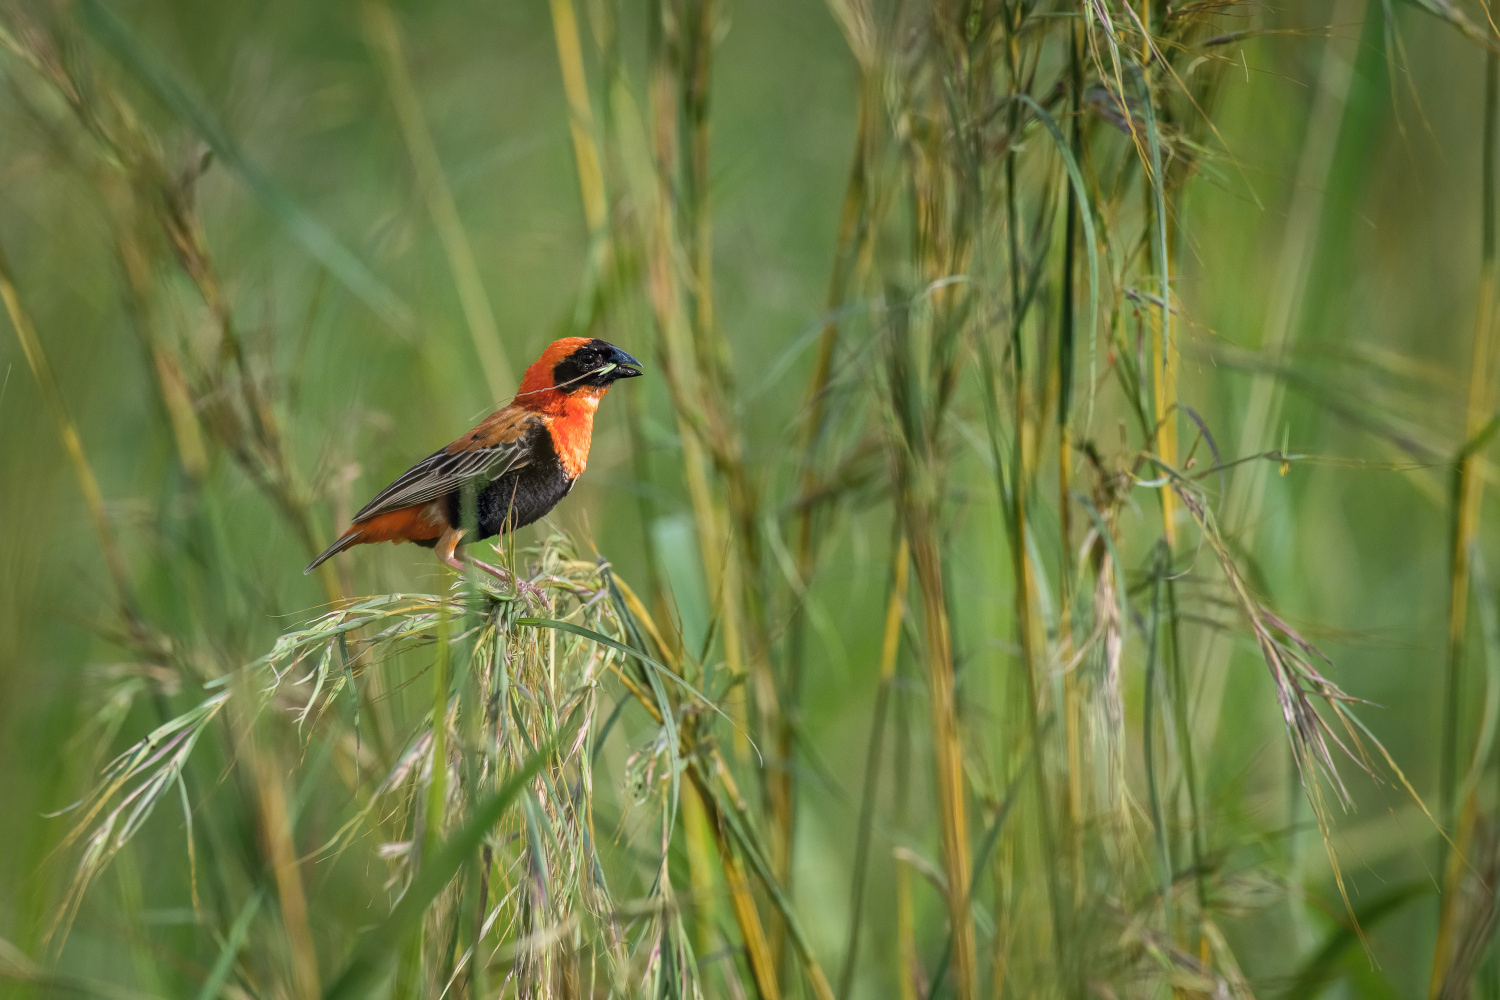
<point>405,508</point>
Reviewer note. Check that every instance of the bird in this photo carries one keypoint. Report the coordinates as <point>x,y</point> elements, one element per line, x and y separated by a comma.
<point>510,470</point>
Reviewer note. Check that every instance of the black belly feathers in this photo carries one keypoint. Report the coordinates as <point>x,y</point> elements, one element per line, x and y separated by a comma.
<point>518,497</point>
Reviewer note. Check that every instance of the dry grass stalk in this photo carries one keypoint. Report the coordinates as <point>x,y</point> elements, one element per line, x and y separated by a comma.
<point>1001,153</point>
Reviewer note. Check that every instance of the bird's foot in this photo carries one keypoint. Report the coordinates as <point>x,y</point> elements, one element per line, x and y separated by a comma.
<point>521,586</point>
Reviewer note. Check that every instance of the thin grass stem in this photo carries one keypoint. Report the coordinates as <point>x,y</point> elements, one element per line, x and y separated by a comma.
<point>432,182</point>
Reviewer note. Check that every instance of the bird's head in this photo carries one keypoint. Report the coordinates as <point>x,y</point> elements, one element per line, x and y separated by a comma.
<point>574,368</point>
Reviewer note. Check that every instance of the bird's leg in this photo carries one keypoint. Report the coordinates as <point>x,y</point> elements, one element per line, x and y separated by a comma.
<point>446,545</point>
<point>447,551</point>
<point>513,579</point>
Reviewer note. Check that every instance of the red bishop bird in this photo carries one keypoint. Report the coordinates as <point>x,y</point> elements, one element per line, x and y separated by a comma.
<point>517,464</point>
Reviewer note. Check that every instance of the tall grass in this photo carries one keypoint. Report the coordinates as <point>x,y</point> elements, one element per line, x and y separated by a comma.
<point>941,648</point>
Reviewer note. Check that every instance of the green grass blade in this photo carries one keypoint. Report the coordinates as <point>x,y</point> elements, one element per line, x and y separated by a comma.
<point>981,862</point>
<point>380,945</point>
<point>657,666</point>
<point>238,932</point>
<point>1160,568</point>
<point>1085,216</point>
<point>654,675</point>
<point>1159,223</point>
<point>15,967</point>
<point>1317,971</point>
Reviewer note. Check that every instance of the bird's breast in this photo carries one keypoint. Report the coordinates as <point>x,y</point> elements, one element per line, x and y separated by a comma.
<point>520,497</point>
<point>571,436</point>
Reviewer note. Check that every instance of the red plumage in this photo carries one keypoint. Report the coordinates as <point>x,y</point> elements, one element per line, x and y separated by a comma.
<point>509,470</point>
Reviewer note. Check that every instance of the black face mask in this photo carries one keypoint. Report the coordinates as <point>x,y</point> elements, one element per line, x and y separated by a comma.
<point>596,363</point>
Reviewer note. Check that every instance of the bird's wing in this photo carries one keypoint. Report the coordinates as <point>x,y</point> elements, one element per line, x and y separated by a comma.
<point>495,447</point>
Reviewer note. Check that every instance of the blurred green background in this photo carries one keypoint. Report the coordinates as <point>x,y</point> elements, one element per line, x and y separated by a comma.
<point>1339,220</point>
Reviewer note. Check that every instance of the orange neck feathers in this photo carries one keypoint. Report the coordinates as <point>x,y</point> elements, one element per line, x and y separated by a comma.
<point>570,415</point>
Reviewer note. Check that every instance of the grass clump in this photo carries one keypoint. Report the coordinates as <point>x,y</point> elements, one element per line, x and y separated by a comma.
<point>940,649</point>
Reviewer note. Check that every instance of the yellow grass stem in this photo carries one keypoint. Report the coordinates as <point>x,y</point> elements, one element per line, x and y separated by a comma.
<point>282,857</point>
<point>742,901</point>
<point>737,518</point>
<point>906,934</point>
<point>895,611</point>
<point>1005,930</point>
<point>580,116</point>
<point>93,498</point>
<point>702,769</point>
<point>757,950</point>
<point>697,829</point>
<point>637,608</point>
<point>697,834</point>
<point>689,352</point>
<point>1145,24</point>
<point>849,258</point>
<point>736,821</point>
<point>1164,392</point>
<point>175,393</point>
<point>1468,496</point>
<point>947,748</point>
<point>1163,345</point>
<point>907,962</point>
<point>720,564</point>
<point>890,645</point>
<point>1453,873</point>
<point>1030,637</point>
<point>385,37</point>
<point>715,552</point>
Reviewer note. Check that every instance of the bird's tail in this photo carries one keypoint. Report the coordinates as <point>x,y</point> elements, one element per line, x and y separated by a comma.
<point>351,537</point>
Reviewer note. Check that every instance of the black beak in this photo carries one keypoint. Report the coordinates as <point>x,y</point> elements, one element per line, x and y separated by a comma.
<point>625,365</point>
